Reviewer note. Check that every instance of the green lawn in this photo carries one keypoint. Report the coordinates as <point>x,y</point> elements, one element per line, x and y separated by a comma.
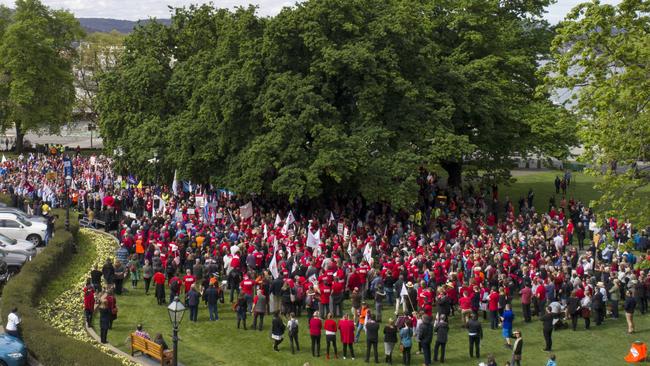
<point>581,188</point>
<point>221,343</point>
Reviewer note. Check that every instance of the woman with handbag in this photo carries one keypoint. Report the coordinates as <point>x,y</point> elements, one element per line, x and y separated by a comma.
<point>517,349</point>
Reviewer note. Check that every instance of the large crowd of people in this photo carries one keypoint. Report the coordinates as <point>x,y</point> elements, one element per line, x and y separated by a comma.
<point>339,265</point>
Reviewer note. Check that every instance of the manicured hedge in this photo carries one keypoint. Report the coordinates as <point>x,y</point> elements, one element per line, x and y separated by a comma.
<point>24,291</point>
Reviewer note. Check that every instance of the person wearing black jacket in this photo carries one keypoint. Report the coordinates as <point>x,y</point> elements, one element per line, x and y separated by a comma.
<point>193,299</point>
<point>109,272</point>
<point>573,309</point>
<point>475,331</point>
<point>211,296</point>
<point>548,328</point>
<point>277,331</point>
<point>426,337</point>
<point>442,330</point>
<point>372,338</point>
<point>629,306</point>
<point>517,349</point>
<point>598,304</point>
<point>390,339</point>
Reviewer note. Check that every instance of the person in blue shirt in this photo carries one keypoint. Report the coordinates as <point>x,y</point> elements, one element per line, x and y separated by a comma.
<point>507,318</point>
<point>406,339</point>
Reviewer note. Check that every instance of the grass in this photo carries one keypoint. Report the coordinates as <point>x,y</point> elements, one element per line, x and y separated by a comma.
<point>581,188</point>
<point>221,343</point>
<point>80,263</point>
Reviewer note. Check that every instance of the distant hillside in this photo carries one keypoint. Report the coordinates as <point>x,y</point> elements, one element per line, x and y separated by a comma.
<point>91,25</point>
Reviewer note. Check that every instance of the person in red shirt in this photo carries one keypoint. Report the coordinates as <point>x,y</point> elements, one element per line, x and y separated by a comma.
<point>540,295</point>
<point>89,303</point>
<point>325,293</point>
<point>346,327</point>
<point>465,304</point>
<point>159,280</point>
<point>526,296</point>
<point>493,308</point>
<point>315,326</point>
<point>188,280</point>
<point>247,286</point>
<point>330,335</point>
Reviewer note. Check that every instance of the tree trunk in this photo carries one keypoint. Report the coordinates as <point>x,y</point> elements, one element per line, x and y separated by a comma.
<point>454,169</point>
<point>19,139</point>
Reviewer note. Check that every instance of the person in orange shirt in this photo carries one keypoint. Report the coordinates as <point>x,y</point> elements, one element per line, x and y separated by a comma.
<point>199,241</point>
<point>364,314</point>
<point>139,249</point>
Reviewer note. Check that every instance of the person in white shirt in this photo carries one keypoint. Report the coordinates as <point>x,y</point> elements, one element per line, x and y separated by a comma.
<point>13,324</point>
<point>558,241</point>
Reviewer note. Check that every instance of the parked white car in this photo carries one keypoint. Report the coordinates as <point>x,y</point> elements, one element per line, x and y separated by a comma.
<point>17,227</point>
<point>23,214</point>
<point>19,246</point>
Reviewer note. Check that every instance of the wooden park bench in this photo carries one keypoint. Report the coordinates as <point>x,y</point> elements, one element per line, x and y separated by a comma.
<point>150,348</point>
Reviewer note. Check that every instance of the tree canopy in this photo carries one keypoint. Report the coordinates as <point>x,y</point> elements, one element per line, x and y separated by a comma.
<point>601,59</point>
<point>36,55</point>
<point>334,97</point>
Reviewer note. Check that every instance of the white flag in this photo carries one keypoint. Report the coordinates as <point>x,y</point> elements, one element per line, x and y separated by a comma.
<point>273,267</point>
<point>331,218</point>
<point>4,159</point>
<point>175,183</point>
<point>367,253</point>
<point>313,239</point>
<point>290,220</point>
<point>266,231</point>
<point>278,220</point>
<point>404,292</point>
<point>246,210</point>
<point>346,233</point>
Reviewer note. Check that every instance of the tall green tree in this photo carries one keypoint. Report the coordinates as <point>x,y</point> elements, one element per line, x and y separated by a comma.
<point>601,59</point>
<point>132,99</point>
<point>36,56</point>
<point>334,98</point>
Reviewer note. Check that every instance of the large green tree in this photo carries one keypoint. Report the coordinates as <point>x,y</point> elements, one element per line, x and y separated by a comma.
<point>601,60</point>
<point>334,97</point>
<point>36,55</point>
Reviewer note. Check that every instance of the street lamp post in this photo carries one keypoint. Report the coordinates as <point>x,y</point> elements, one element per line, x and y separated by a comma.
<point>176,311</point>
<point>68,182</point>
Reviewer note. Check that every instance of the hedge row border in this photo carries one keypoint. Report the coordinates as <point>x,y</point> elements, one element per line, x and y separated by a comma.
<point>48,345</point>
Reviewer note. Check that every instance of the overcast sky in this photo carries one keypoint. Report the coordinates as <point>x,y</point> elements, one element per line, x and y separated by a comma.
<point>142,9</point>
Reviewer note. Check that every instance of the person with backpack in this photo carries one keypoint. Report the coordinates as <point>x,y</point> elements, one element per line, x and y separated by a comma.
<point>292,329</point>
<point>277,331</point>
<point>134,271</point>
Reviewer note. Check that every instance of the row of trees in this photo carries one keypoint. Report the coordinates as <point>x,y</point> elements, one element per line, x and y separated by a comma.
<point>334,96</point>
